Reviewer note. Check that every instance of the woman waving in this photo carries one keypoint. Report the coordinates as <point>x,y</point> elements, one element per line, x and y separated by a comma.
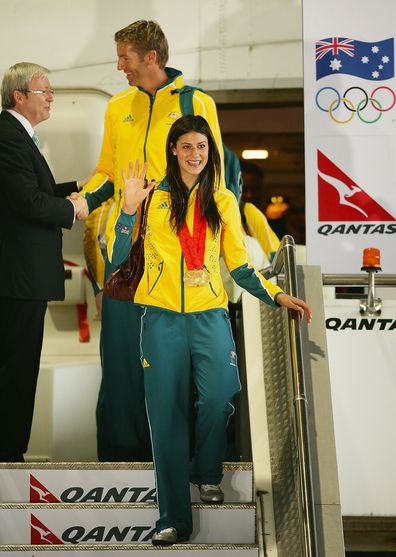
<point>185,330</point>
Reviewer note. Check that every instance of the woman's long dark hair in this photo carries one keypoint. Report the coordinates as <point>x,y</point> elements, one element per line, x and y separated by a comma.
<point>208,178</point>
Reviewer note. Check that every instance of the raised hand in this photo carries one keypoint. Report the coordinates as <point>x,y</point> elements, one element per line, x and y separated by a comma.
<point>135,189</point>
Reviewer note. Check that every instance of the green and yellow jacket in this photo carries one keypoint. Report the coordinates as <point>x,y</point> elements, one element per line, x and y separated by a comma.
<point>136,127</point>
<point>258,227</point>
<point>162,283</point>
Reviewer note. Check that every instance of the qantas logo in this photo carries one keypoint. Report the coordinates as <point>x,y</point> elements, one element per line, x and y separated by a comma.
<point>41,535</point>
<point>341,199</point>
<point>39,493</point>
<point>76,494</point>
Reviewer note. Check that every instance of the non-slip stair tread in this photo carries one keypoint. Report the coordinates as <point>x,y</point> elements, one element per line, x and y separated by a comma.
<point>105,506</point>
<point>124,547</point>
<point>200,550</point>
<point>103,465</point>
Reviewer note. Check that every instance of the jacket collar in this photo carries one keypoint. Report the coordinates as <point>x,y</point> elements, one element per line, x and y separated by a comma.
<point>6,115</point>
<point>175,80</point>
<point>23,120</point>
<point>164,186</point>
<point>17,124</point>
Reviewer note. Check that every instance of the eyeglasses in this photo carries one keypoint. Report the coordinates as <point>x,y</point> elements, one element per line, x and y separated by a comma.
<point>39,91</point>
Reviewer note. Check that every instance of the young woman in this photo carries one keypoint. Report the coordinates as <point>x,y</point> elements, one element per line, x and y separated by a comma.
<point>185,330</point>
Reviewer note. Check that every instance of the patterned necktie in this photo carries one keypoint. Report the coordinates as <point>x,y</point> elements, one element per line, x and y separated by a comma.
<point>36,141</point>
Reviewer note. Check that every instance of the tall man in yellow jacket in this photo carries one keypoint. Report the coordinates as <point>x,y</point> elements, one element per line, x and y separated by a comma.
<point>137,122</point>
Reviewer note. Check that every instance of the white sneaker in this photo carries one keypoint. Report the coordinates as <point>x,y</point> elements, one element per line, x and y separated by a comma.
<point>210,493</point>
<point>167,536</point>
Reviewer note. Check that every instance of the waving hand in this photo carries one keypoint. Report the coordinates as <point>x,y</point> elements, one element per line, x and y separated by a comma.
<point>135,190</point>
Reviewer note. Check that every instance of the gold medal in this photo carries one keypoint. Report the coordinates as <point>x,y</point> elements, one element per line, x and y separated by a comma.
<point>196,277</point>
<point>193,248</point>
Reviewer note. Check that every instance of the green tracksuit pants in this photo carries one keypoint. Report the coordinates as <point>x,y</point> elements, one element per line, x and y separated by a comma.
<point>122,427</point>
<point>177,348</point>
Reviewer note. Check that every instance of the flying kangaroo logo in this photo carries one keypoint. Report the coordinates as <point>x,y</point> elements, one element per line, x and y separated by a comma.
<point>341,199</point>
<point>41,535</point>
<point>39,493</point>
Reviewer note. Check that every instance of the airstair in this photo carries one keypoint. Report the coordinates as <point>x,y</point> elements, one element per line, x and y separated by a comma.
<point>285,504</point>
<point>112,507</point>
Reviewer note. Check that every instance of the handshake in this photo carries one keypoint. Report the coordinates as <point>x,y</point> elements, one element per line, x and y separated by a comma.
<point>80,206</point>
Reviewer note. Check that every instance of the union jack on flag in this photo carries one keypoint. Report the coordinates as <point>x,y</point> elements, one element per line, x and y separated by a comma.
<point>335,46</point>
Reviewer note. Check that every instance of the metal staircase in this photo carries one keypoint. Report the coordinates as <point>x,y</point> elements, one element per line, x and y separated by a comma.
<point>110,508</point>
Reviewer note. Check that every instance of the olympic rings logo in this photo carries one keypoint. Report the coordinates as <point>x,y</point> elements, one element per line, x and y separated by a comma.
<point>356,106</point>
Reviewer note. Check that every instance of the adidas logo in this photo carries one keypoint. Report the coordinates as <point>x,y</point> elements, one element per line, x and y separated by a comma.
<point>128,118</point>
<point>145,363</point>
<point>163,205</point>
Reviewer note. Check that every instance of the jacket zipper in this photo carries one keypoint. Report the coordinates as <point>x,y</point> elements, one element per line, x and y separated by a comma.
<point>152,99</point>
<point>182,283</point>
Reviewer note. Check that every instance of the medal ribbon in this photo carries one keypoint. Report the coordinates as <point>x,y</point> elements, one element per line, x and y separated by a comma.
<point>193,247</point>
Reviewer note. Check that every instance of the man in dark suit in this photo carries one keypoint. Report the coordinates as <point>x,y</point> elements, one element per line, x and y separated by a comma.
<point>34,209</point>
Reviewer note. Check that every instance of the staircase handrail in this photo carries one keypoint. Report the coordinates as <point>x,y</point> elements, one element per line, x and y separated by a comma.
<point>285,258</point>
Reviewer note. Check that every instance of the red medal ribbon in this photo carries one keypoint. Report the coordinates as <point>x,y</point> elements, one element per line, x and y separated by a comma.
<point>193,247</point>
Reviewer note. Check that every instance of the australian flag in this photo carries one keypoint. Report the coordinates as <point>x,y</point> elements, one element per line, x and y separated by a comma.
<point>374,61</point>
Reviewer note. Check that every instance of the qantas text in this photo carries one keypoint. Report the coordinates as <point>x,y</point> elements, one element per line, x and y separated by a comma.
<point>78,534</point>
<point>102,495</point>
<point>336,324</point>
<point>327,229</point>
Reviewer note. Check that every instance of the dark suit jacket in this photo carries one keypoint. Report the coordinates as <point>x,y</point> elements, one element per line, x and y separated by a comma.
<point>32,213</point>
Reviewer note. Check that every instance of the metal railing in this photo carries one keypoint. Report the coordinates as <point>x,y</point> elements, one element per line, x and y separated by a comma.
<point>370,306</point>
<point>357,280</point>
<point>285,258</point>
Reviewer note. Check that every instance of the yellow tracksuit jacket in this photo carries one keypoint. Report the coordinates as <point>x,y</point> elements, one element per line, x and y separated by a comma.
<point>162,282</point>
<point>259,228</point>
<point>94,243</point>
<point>136,127</point>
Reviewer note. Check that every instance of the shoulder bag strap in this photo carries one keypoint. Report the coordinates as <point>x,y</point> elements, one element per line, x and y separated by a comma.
<point>145,208</point>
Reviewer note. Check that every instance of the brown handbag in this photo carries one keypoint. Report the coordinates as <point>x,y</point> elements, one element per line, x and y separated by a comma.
<point>124,279</point>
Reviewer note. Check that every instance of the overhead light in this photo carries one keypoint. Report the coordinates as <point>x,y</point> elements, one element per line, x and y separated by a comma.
<point>255,154</point>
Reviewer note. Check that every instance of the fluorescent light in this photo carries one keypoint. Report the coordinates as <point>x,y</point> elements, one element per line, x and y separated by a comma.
<point>255,154</point>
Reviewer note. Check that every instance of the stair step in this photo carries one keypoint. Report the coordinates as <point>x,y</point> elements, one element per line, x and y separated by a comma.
<point>105,482</point>
<point>123,550</point>
<point>73,523</point>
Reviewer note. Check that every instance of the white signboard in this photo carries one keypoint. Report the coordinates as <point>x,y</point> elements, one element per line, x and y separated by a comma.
<point>350,129</point>
<point>362,356</point>
<point>51,525</point>
<point>104,486</point>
